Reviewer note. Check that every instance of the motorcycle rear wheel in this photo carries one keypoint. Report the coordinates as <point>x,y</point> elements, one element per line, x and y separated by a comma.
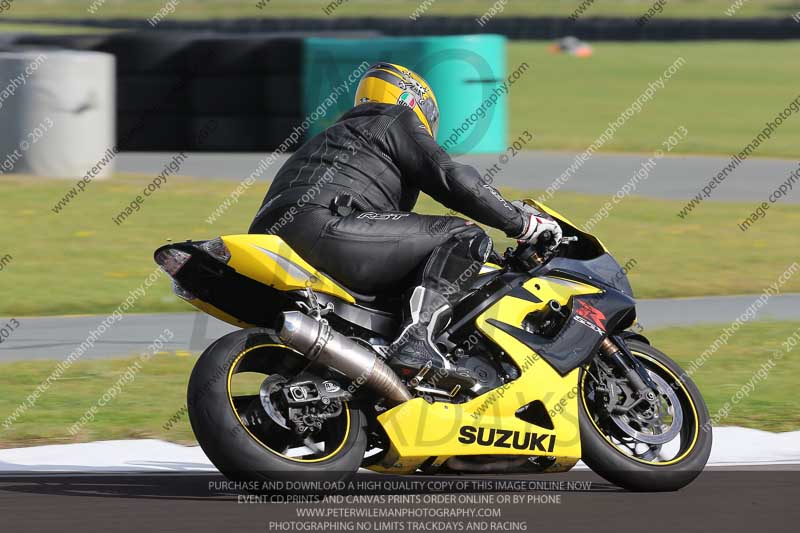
<point>238,436</point>
<point>612,453</point>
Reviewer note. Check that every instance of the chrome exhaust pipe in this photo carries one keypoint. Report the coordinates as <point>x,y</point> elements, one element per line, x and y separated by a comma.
<point>317,341</point>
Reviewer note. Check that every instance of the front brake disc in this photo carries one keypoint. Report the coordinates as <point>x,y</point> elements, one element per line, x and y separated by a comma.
<point>660,433</point>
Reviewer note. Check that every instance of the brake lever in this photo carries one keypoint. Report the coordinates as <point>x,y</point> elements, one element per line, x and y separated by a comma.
<point>547,252</point>
<point>538,252</point>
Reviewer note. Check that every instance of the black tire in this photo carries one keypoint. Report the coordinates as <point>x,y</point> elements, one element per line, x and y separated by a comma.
<point>233,449</point>
<point>153,94</point>
<point>148,52</point>
<point>634,474</point>
<point>246,54</point>
<point>158,132</point>
<point>255,95</point>
<point>252,133</point>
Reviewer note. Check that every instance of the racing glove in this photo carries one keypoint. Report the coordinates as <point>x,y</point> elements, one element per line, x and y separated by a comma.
<point>536,224</point>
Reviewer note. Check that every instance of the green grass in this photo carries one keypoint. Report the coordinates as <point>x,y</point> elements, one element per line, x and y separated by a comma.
<point>771,405</point>
<point>7,27</point>
<point>79,261</point>
<point>723,94</point>
<point>158,392</point>
<point>139,411</point>
<point>395,8</point>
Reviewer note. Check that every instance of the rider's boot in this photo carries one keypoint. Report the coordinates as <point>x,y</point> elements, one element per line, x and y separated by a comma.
<point>428,313</point>
<point>446,276</point>
<point>415,356</point>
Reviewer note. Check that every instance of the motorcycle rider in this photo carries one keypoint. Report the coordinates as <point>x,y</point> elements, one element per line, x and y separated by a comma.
<point>343,202</point>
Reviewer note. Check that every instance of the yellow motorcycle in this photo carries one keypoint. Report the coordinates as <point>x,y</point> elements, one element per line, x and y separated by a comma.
<point>304,389</point>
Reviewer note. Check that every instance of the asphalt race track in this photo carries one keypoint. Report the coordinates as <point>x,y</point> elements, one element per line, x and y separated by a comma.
<point>674,177</point>
<point>718,501</point>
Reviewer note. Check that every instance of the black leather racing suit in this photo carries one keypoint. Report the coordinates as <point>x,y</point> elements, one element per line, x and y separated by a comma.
<point>382,157</point>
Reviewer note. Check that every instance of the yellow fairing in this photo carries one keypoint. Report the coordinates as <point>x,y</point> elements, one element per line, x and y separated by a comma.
<point>488,268</point>
<point>269,260</point>
<point>218,313</point>
<point>419,430</point>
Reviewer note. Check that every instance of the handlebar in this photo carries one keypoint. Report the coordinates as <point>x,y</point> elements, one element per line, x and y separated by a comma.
<point>545,247</point>
<point>529,255</point>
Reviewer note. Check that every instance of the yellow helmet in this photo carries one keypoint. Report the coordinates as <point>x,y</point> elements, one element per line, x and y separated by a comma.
<point>388,83</point>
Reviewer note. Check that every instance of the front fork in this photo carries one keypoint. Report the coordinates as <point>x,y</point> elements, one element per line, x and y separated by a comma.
<point>617,351</point>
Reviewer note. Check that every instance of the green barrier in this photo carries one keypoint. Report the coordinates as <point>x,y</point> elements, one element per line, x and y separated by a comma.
<point>466,73</point>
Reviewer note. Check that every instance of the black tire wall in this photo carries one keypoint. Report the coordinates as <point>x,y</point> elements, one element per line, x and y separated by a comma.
<point>172,84</point>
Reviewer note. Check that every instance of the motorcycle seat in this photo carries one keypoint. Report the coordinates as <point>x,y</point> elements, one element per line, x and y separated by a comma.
<point>386,302</point>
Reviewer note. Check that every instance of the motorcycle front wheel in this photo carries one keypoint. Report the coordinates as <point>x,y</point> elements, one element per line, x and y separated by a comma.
<point>660,445</point>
